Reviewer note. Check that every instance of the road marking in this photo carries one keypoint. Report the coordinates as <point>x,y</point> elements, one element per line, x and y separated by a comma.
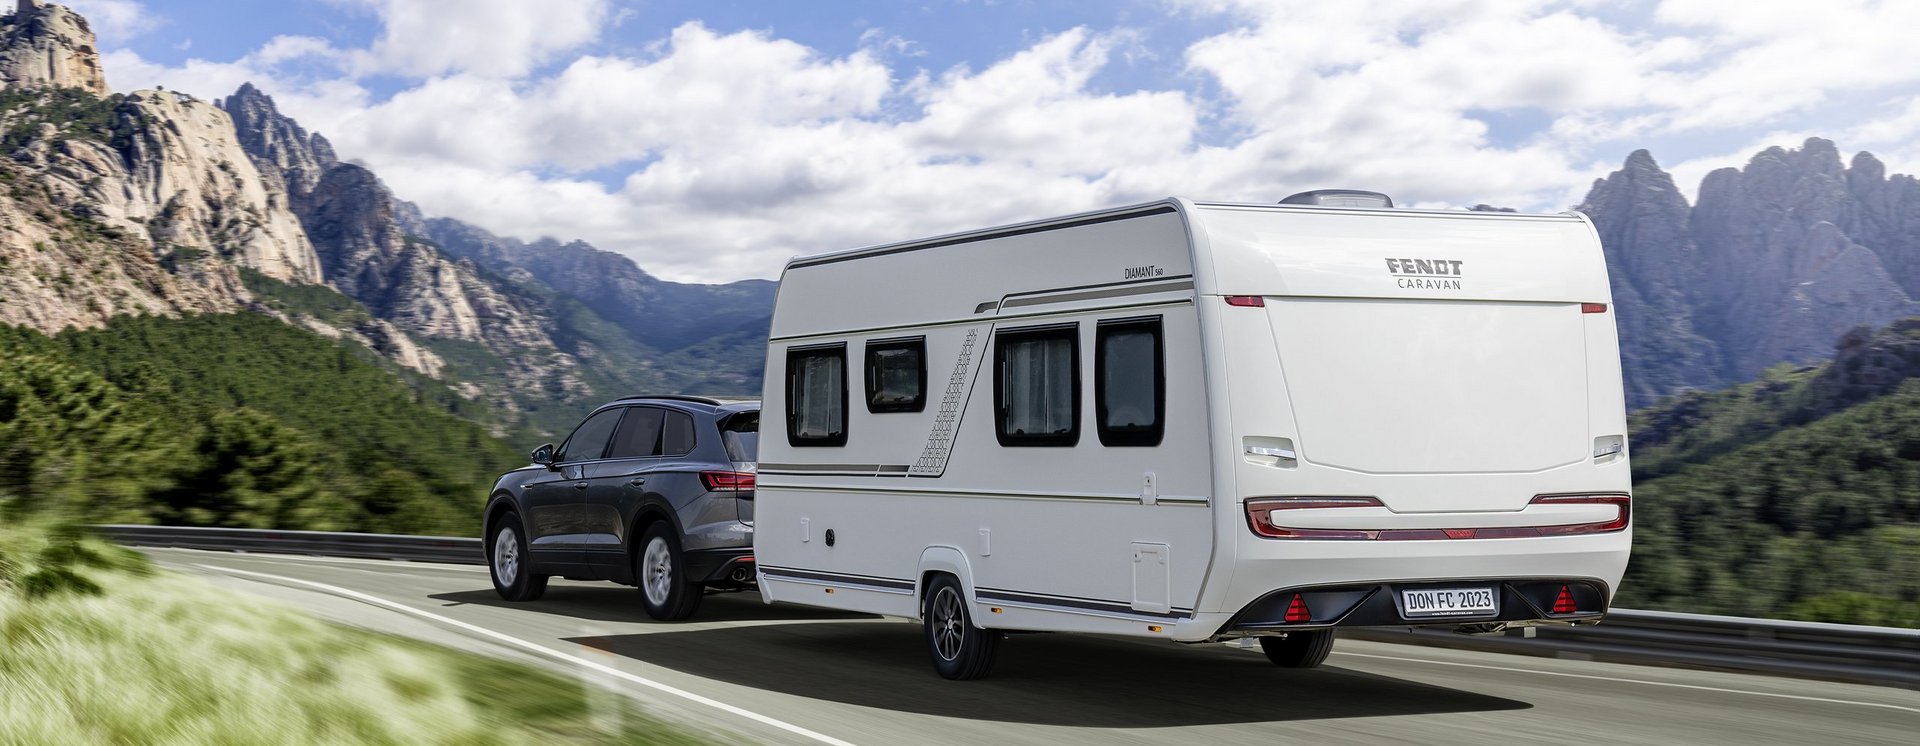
<point>1638,681</point>
<point>543,650</point>
<point>304,558</point>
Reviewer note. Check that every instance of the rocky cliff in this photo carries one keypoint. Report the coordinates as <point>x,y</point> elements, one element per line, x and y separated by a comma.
<point>142,203</point>
<point>49,46</point>
<point>1778,260</point>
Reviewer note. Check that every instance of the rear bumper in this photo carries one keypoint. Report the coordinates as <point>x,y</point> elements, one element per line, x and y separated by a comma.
<point>715,565</point>
<point>1380,605</point>
<point>1265,567</point>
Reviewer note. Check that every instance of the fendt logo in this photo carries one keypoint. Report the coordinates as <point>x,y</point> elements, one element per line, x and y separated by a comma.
<point>1426,274</point>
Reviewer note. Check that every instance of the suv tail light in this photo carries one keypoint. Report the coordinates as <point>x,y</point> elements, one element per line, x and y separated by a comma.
<point>727,481</point>
<point>1265,514</point>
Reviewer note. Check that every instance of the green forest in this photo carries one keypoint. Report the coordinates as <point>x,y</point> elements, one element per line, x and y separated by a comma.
<point>1794,496</point>
<point>235,420</point>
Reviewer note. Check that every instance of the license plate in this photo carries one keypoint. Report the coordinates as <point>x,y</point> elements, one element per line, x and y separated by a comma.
<point>1431,602</point>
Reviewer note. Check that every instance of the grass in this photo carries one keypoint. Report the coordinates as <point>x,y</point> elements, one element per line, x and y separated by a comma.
<point>98,647</point>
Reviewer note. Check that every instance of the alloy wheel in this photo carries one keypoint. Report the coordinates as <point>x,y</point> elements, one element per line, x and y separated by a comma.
<point>506,556</point>
<point>657,571</point>
<point>947,621</point>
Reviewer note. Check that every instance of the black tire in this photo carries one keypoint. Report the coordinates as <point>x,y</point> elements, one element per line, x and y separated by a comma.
<point>1299,649</point>
<point>960,651</point>
<point>508,563</point>
<point>660,569</point>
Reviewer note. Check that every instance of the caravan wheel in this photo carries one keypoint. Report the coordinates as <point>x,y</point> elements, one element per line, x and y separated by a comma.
<point>1298,649</point>
<point>960,650</point>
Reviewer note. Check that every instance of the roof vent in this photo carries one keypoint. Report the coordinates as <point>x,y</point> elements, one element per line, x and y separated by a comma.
<point>1339,198</point>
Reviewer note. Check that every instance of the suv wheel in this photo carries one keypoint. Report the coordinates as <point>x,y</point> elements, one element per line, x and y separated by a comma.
<point>661,572</point>
<point>960,650</point>
<point>513,576</point>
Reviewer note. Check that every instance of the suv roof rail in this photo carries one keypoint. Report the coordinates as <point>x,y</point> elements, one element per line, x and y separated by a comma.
<point>675,397</point>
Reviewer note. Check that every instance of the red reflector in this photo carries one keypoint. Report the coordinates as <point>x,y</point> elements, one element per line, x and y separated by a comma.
<point>1247,301</point>
<point>1564,604</point>
<point>1297,610</point>
<point>1593,308</point>
<point>727,481</point>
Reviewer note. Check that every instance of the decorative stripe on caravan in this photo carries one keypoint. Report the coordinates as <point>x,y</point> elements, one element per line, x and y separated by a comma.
<point>933,458</point>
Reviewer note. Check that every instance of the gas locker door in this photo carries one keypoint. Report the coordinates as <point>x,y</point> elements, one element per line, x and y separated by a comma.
<point>1152,578</point>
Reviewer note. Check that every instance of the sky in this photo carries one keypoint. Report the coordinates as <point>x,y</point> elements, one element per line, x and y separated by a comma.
<point>711,141</point>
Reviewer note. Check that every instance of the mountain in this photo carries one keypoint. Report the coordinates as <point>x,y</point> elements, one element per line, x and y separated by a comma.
<point>157,203</point>
<point>1797,494</point>
<point>1778,259</point>
<point>51,46</point>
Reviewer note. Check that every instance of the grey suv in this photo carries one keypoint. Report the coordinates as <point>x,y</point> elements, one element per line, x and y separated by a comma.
<point>653,491</point>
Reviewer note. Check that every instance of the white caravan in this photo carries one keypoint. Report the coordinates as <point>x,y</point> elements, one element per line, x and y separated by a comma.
<point>1200,421</point>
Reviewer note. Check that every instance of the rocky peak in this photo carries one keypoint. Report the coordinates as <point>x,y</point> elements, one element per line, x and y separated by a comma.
<point>279,146</point>
<point>49,46</point>
<point>1641,217</point>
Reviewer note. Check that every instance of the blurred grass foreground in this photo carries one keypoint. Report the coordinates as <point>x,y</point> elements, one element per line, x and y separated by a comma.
<point>97,646</point>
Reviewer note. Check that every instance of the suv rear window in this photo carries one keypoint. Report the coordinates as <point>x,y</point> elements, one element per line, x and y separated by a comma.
<point>741,434</point>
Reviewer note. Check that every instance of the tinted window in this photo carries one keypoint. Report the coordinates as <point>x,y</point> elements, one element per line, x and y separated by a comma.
<point>897,375</point>
<point>1037,391</point>
<point>639,434</point>
<point>817,396</point>
<point>677,437</point>
<point>1129,382</point>
<point>589,440</point>
<point>741,434</point>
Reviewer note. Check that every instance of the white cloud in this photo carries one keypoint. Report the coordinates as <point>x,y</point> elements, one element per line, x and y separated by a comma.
<point>483,37</point>
<point>713,155</point>
<point>114,21</point>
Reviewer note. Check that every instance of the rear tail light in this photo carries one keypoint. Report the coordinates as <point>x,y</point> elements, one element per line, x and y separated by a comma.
<point>1260,516</point>
<point>1593,308</point>
<point>1620,520</point>
<point>1267,515</point>
<point>1247,301</point>
<point>1297,611</point>
<point>1564,604</point>
<point>727,481</point>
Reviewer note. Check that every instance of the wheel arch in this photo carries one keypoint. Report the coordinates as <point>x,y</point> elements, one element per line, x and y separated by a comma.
<point>500,504</point>
<point>951,561</point>
<point>649,513</point>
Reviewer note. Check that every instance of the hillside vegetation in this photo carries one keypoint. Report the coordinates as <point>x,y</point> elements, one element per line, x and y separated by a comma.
<point>234,420</point>
<point>102,648</point>
<point>1797,495</point>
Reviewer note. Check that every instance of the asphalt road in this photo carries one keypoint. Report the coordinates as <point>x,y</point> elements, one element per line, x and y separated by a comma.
<point>747,671</point>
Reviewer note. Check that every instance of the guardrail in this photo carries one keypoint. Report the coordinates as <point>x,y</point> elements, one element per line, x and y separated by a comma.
<point>446,549</point>
<point>1839,652</point>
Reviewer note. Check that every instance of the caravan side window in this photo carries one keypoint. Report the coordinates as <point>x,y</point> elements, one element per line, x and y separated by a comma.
<point>897,375</point>
<point>1129,382</point>
<point>1036,391</point>
<point>817,395</point>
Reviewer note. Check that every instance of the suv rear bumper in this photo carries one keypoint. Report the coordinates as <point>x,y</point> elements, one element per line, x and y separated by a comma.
<point>716,565</point>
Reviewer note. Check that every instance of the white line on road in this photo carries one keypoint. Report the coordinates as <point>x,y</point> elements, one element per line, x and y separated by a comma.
<point>546,651</point>
<point>1636,681</point>
<point>304,558</point>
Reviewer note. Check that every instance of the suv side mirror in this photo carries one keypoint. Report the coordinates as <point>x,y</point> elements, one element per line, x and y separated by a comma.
<point>544,455</point>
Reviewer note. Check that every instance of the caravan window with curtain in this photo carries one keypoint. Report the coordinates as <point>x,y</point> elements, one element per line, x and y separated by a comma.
<point>1036,389</point>
<point>817,396</point>
<point>1129,382</point>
